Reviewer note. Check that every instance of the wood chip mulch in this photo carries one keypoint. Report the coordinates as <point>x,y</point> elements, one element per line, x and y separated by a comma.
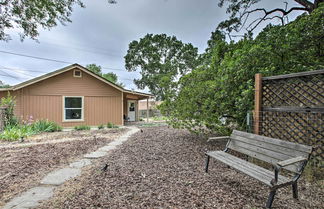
<point>164,168</point>
<point>23,167</point>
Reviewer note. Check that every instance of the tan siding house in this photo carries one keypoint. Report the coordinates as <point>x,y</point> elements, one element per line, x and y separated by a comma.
<point>75,96</point>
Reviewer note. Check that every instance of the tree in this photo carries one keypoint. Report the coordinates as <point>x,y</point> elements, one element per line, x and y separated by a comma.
<point>112,77</point>
<point>161,60</point>
<point>94,68</point>
<point>30,15</point>
<point>216,96</point>
<point>241,10</point>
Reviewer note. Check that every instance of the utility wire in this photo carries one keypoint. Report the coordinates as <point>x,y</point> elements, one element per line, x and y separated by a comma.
<point>52,60</point>
<point>23,73</point>
<point>34,57</point>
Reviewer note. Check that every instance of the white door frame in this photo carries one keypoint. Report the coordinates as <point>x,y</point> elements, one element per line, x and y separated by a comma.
<point>131,114</point>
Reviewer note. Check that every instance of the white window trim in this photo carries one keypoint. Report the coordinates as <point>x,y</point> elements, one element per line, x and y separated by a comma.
<point>75,75</point>
<point>82,110</point>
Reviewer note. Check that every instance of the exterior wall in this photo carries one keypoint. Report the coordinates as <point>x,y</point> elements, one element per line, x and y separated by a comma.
<point>44,100</point>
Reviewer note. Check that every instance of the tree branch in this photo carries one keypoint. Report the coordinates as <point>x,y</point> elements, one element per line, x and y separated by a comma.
<point>309,6</point>
<point>267,13</point>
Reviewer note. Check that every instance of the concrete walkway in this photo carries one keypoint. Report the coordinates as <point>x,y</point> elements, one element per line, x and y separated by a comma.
<point>45,190</point>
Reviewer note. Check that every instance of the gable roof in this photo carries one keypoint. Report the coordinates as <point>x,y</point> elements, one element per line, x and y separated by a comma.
<point>67,68</point>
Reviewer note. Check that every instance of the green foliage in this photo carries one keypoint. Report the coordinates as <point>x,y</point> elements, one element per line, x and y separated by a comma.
<point>161,60</point>
<point>46,126</point>
<point>4,86</point>
<point>111,125</point>
<point>101,126</point>
<point>217,95</point>
<point>82,127</point>
<point>112,77</point>
<point>15,132</point>
<point>9,103</point>
<point>30,16</point>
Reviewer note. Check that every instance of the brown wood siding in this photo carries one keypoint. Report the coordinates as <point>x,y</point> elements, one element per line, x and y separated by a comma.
<point>66,84</point>
<point>44,100</point>
<point>97,110</point>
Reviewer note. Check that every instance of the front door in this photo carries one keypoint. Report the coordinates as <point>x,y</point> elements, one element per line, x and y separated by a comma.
<point>131,111</point>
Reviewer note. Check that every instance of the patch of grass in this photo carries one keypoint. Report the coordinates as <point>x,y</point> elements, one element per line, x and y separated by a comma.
<point>101,126</point>
<point>152,124</point>
<point>159,118</point>
<point>314,171</point>
<point>82,127</point>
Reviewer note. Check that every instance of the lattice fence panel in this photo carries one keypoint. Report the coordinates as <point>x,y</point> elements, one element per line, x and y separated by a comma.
<point>293,110</point>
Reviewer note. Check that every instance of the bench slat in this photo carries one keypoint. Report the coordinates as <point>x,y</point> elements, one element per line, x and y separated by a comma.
<point>270,146</point>
<point>291,145</point>
<point>258,155</point>
<point>250,169</point>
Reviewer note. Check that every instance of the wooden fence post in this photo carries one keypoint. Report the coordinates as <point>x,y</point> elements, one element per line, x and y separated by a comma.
<point>257,102</point>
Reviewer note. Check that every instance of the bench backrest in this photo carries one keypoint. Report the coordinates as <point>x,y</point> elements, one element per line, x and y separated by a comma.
<point>268,149</point>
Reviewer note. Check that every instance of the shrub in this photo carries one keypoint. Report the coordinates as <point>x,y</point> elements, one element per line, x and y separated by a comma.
<point>13,133</point>
<point>46,126</point>
<point>82,127</point>
<point>9,103</point>
<point>101,126</point>
<point>111,125</point>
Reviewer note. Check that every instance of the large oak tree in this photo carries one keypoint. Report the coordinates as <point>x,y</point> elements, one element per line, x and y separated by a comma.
<point>161,60</point>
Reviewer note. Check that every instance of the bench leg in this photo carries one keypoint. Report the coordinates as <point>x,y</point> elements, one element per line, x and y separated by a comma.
<point>270,199</point>
<point>295,190</point>
<point>207,163</point>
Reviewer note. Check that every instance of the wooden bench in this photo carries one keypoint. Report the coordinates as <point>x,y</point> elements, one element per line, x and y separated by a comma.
<point>281,154</point>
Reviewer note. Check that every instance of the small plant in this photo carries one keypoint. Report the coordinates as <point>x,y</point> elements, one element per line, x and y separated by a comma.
<point>46,126</point>
<point>82,127</point>
<point>101,126</point>
<point>13,133</point>
<point>111,125</point>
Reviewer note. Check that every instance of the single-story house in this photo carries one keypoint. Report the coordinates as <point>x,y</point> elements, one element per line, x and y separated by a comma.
<point>74,96</point>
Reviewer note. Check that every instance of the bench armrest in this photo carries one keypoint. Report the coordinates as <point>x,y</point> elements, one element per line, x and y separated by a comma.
<point>217,138</point>
<point>285,163</point>
<point>291,161</point>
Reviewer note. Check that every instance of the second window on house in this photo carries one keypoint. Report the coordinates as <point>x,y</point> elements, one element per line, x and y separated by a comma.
<point>73,108</point>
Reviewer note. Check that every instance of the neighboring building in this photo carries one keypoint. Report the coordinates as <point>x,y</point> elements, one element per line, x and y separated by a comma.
<point>75,96</point>
<point>151,106</point>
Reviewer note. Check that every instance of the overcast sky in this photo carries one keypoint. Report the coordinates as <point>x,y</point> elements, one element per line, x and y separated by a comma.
<point>101,32</point>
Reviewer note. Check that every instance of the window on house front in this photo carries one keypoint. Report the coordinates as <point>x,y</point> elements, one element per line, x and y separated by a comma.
<point>73,108</point>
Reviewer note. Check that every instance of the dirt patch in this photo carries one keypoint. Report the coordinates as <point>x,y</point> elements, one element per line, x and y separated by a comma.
<point>164,168</point>
<point>23,167</point>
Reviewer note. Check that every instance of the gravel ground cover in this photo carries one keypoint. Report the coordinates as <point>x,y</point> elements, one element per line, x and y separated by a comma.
<point>23,167</point>
<point>163,168</point>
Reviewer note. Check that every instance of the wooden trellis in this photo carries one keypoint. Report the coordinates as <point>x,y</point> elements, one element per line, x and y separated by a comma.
<point>291,107</point>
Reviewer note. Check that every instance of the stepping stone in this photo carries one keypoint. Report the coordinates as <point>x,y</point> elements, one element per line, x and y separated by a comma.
<point>31,198</point>
<point>96,154</point>
<point>80,163</point>
<point>60,176</point>
<point>122,139</point>
<point>106,148</point>
<point>115,143</point>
